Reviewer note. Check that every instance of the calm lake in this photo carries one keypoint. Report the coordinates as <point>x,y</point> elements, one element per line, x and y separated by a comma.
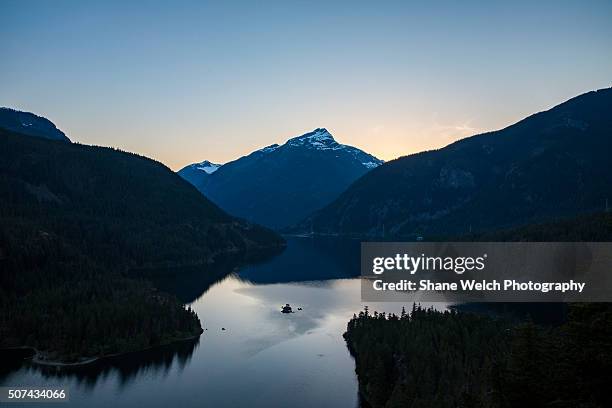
<point>263,358</point>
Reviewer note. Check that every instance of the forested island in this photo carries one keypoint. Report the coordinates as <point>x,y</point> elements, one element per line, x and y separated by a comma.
<point>79,227</point>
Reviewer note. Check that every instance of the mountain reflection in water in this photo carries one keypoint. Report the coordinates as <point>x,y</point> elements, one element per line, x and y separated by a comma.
<point>304,260</point>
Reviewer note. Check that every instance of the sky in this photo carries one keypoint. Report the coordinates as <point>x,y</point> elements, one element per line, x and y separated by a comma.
<point>183,81</point>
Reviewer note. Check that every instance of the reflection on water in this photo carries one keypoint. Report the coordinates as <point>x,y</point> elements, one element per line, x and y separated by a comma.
<point>263,358</point>
<point>125,368</point>
<point>320,259</point>
<point>189,283</point>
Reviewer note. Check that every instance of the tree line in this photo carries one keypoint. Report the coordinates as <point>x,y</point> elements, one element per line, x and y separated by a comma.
<point>431,358</point>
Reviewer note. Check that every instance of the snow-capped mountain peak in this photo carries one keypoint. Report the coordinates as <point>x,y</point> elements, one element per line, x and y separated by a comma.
<point>279,185</point>
<point>207,166</point>
<point>319,139</point>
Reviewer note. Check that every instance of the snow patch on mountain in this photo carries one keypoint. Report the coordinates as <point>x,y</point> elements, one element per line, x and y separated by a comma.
<point>371,164</point>
<point>270,148</point>
<point>207,167</point>
<point>319,139</point>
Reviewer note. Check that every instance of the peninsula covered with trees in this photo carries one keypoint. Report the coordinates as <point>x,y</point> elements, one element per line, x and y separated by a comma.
<point>458,358</point>
<point>79,227</point>
<point>429,358</point>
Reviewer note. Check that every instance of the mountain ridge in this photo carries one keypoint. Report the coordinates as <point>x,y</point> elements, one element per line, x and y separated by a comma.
<point>80,227</point>
<point>30,124</point>
<point>280,184</point>
<point>551,163</point>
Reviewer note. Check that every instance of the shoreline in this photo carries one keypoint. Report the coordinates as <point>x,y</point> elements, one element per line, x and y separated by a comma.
<point>35,359</point>
<point>245,255</point>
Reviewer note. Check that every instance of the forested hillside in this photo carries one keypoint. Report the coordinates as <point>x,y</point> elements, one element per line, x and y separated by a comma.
<point>595,227</point>
<point>551,164</point>
<point>461,359</point>
<point>452,359</point>
<point>74,220</point>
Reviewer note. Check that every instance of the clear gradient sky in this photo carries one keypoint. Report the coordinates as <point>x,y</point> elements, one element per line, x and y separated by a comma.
<point>186,81</point>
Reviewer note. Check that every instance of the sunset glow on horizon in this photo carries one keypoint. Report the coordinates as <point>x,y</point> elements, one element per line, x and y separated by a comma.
<point>214,81</point>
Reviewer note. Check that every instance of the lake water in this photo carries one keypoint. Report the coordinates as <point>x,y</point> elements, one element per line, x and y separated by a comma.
<point>263,358</point>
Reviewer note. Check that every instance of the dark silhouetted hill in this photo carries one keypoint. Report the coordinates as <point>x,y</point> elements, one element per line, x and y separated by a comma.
<point>78,227</point>
<point>27,123</point>
<point>552,164</point>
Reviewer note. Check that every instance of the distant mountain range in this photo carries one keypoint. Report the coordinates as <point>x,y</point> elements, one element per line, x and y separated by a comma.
<point>552,164</point>
<point>27,123</point>
<point>279,185</point>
